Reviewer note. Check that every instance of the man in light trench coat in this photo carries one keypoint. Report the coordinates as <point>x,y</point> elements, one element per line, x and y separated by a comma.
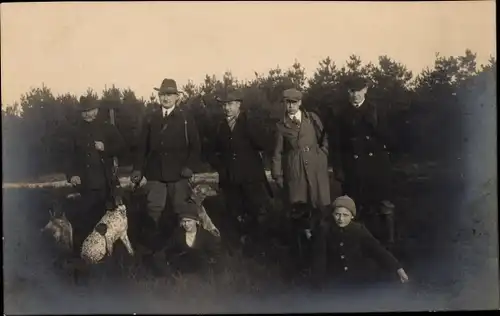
<point>300,167</point>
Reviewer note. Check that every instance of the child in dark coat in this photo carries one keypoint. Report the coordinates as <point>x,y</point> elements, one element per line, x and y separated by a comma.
<point>345,251</point>
<point>191,248</point>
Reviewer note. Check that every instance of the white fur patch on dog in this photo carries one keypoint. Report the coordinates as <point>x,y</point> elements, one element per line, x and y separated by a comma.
<point>96,246</point>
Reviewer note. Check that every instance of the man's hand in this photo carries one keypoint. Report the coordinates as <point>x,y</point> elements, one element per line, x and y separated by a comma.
<point>339,175</point>
<point>99,145</point>
<point>402,276</point>
<point>136,177</point>
<point>186,173</point>
<point>75,180</point>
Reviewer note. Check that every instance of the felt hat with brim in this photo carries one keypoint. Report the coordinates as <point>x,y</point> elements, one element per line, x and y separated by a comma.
<point>346,202</point>
<point>88,103</point>
<point>189,210</point>
<point>236,95</point>
<point>357,84</point>
<point>292,95</point>
<point>168,86</point>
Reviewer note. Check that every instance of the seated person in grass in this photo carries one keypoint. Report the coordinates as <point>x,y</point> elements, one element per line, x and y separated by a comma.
<point>191,248</point>
<point>346,253</point>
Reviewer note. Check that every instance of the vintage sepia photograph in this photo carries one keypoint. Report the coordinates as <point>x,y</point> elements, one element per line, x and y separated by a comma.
<point>210,157</point>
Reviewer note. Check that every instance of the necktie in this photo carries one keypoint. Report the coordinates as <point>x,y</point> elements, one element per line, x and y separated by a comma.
<point>296,121</point>
<point>231,122</point>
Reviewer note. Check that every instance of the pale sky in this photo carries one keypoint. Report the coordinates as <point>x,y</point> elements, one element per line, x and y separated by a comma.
<point>73,46</point>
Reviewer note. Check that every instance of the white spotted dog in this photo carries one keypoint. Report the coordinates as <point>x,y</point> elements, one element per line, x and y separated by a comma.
<point>112,226</point>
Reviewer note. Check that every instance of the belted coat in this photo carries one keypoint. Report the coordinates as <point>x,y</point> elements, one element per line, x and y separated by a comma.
<point>301,158</point>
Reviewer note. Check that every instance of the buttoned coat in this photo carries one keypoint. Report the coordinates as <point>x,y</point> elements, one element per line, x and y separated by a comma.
<point>167,145</point>
<point>364,145</point>
<point>84,160</point>
<point>350,255</point>
<point>236,154</point>
<point>301,158</point>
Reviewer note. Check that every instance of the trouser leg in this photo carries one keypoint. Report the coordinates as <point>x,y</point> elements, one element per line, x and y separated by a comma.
<point>177,194</point>
<point>255,209</point>
<point>234,204</point>
<point>156,200</point>
<point>387,214</point>
<point>85,217</point>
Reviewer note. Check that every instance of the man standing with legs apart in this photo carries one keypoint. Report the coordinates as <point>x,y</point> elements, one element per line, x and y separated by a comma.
<point>168,150</point>
<point>89,166</point>
<point>234,152</point>
<point>364,142</point>
<point>300,166</point>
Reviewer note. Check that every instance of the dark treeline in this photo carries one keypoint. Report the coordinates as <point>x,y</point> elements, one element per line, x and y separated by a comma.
<point>425,110</point>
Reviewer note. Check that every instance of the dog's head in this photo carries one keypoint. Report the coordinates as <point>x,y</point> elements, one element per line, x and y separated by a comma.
<point>201,191</point>
<point>59,228</point>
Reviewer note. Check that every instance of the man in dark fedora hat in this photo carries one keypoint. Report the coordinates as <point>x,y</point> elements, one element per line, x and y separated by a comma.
<point>365,143</point>
<point>167,153</point>
<point>234,151</point>
<point>92,145</point>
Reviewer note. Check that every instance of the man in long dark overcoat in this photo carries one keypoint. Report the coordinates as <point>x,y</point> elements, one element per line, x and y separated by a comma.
<point>364,144</point>
<point>167,153</point>
<point>234,151</point>
<point>89,166</point>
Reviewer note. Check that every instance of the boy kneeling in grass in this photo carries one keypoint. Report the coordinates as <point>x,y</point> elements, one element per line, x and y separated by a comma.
<point>345,252</point>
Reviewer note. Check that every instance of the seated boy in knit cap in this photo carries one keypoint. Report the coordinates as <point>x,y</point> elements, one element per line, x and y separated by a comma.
<point>346,251</point>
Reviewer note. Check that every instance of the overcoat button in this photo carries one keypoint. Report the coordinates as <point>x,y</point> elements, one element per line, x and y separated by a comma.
<point>355,156</point>
<point>370,154</point>
<point>346,268</point>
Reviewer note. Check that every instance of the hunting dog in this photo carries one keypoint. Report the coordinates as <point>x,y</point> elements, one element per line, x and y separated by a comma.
<point>112,226</point>
<point>198,194</point>
<point>60,229</point>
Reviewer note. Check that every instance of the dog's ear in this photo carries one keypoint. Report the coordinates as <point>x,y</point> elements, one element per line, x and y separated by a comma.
<point>51,213</point>
<point>64,216</point>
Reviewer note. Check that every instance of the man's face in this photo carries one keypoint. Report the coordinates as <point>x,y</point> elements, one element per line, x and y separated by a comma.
<point>292,106</point>
<point>357,96</point>
<point>188,224</point>
<point>342,216</point>
<point>168,100</point>
<point>90,115</point>
<point>231,108</point>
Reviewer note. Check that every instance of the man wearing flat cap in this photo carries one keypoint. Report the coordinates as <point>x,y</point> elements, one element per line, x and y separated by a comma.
<point>92,145</point>
<point>234,152</point>
<point>300,163</point>
<point>365,143</point>
<point>167,153</point>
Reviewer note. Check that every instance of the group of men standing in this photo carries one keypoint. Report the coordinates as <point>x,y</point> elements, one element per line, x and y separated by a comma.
<point>301,148</point>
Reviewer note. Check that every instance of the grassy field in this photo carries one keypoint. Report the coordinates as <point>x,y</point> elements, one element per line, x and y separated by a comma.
<point>425,200</point>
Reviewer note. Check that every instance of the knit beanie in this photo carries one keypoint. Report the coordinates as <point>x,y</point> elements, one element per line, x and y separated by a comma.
<point>347,202</point>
